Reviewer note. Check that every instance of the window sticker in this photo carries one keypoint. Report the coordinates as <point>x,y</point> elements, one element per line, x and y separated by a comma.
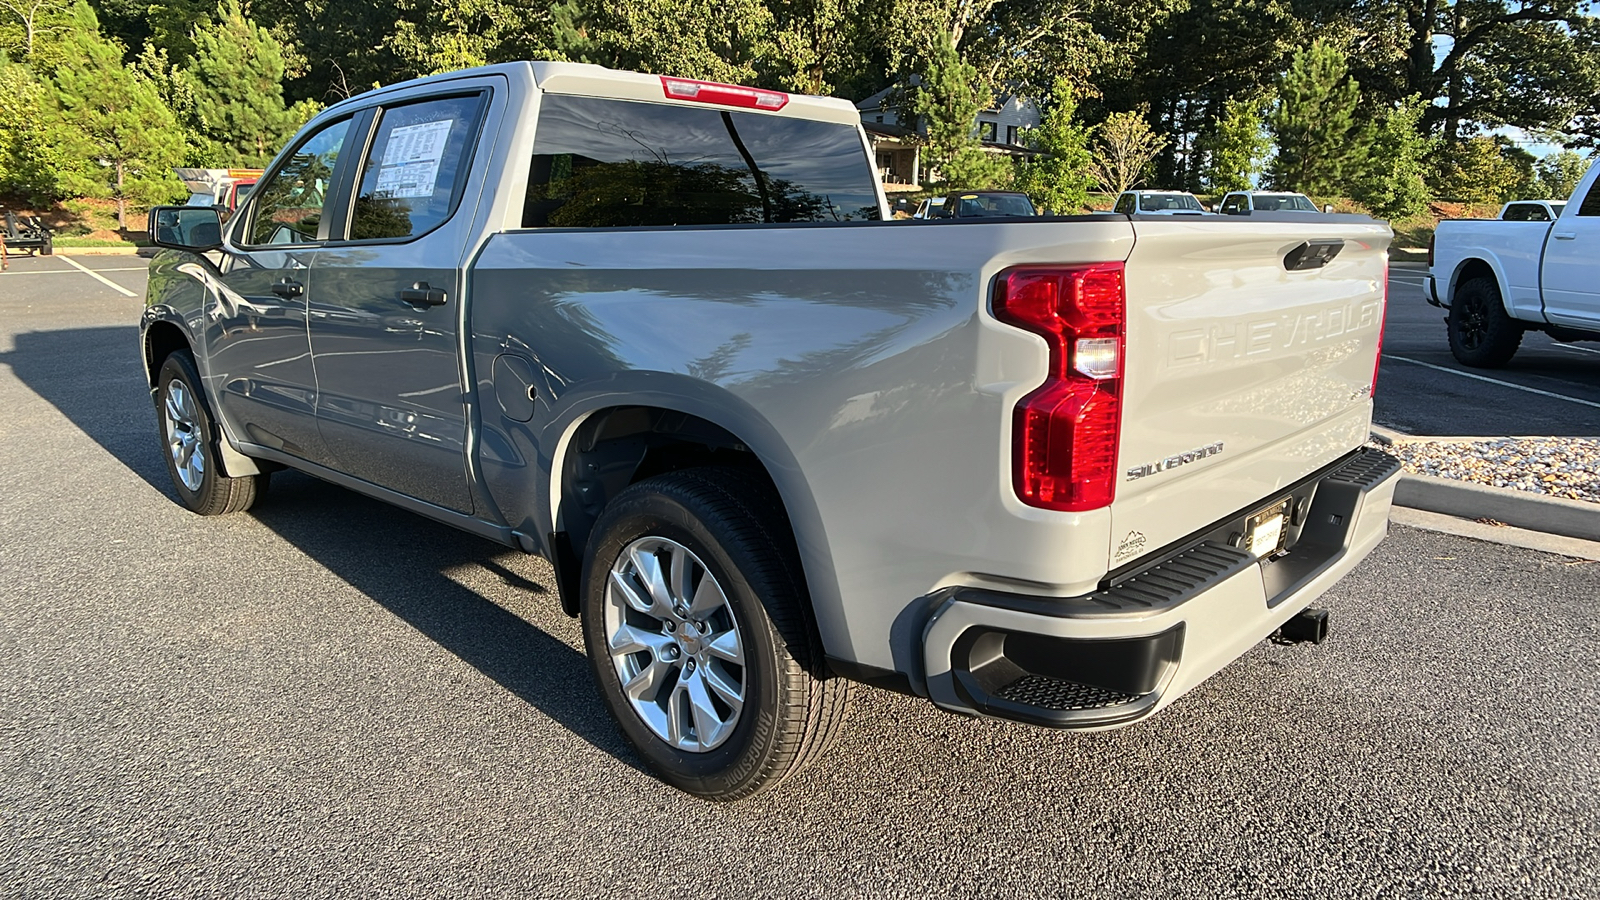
<point>411,159</point>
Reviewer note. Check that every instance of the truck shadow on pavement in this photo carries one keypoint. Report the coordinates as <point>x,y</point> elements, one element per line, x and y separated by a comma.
<point>94,377</point>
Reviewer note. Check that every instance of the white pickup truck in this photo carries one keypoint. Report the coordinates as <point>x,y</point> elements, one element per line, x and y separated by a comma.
<point>1058,470</point>
<point>1499,278</point>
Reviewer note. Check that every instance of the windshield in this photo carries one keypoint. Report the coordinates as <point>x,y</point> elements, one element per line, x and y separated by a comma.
<point>995,205</point>
<point>1159,202</point>
<point>1291,202</point>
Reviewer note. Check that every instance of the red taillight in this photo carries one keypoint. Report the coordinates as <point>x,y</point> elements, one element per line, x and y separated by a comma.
<point>724,94</point>
<point>1383,313</point>
<point>1066,432</point>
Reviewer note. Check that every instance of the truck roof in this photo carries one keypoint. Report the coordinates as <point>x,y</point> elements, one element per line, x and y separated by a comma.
<point>589,80</point>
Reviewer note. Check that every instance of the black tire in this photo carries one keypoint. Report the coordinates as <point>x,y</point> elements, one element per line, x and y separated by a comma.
<point>735,525</point>
<point>49,247</point>
<point>189,426</point>
<point>1481,334</point>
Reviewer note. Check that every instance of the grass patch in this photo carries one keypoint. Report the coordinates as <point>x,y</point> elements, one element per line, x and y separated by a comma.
<point>83,241</point>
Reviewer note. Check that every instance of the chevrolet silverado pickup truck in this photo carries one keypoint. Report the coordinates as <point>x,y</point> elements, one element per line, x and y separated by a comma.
<point>1056,470</point>
<point>1499,278</point>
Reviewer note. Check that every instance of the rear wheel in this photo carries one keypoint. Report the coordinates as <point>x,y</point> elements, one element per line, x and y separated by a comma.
<point>1482,335</point>
<point>190,439</point>
<point>694,617</point>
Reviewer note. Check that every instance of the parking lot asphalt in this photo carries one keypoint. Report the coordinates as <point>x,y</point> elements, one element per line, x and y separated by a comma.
<point>328,697</point>
<point>1548,388</point>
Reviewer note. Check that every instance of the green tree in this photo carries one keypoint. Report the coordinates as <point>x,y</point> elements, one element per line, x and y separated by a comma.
<point>1124,149</point>
<point>112,120</point>
<point>1322,145</point>
<point>1058,179</point>
<point>237,74</point>
<point>1561,172</point>
<point>1393,185</point>
<point>29,163</point>
<point>947,101</point>
<point>1236,145</point>
<point>1475,171</point>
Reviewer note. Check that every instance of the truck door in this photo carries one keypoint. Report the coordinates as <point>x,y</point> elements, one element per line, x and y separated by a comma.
<point>1571,274</point>
<point>385,321</point>
<point>257,352</point>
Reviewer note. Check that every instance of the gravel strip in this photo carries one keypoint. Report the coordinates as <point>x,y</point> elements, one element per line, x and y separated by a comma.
<point>1555,467</point>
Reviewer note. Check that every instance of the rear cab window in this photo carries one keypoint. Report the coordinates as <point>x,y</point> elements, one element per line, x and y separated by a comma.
<point>602,163</point>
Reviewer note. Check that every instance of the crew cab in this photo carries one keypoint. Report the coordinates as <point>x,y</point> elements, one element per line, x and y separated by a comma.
<point>1237,203</point>
<point>1532,210</point>
<point>1499,278</point>
<point>1158,203</point>
<point>1056,470</point>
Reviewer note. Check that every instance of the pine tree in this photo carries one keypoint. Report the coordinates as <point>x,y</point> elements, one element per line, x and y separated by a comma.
<point>1058,179</point>
<point>113,121</point>
<point>29,164</point>
<point>1393,185</point>
<point>1321,144</point>
<point>1236,145</point>
<point>237,74</point>
<point>947,102</point>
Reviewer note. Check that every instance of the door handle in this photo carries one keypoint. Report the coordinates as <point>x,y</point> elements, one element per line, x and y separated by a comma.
<point>288,289</point>
<point>1565,235</point>
<point>420,294</point>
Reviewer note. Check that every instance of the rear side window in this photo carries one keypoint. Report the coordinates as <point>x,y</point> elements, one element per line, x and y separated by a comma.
<point>1525,212</point>
<point>1591,200</point>
<point>416,168</point>
<point>617,163</point>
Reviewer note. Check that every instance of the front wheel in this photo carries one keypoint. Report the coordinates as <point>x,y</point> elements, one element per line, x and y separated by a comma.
<point>189,437</point>
<point>694,618</point>
<point>1482,335</point>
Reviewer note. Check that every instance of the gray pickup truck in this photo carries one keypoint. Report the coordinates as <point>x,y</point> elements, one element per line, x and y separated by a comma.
<point>1057,470</point>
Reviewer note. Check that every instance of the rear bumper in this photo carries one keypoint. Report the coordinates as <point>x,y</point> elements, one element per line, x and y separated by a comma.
<point>1117,655</point>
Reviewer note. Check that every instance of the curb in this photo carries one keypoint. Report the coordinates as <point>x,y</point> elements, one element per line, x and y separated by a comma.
<point>1467,500</point>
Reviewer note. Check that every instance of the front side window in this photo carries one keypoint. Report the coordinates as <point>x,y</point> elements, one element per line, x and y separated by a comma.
<point>416,168</point>
<point>288,207</point>
<point>1233,204</point>
<point>616,163</point>
<point>1125,204</point>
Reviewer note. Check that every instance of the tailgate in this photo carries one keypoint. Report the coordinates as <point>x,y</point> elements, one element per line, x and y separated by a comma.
<point>1241,375</point>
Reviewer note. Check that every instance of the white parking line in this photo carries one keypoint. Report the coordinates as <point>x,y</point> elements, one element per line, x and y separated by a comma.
<point>74,271</point>
<point>98,277</point>
<point>1576,349</point>
<point>1513,386</point>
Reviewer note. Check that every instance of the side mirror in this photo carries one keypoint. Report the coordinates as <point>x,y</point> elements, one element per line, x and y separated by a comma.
<point>1327,207</point>
<point>193,228</point>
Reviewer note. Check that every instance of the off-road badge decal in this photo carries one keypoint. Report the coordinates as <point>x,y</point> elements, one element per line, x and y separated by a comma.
<point>1131,545</point>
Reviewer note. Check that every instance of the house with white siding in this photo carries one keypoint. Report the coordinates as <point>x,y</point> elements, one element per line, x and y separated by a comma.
<point>897,139</point>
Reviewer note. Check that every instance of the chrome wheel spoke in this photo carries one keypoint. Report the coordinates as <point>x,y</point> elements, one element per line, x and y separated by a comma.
<point>623,584</point>
<point>708,723</point>
<point>726,646</point>
<point>676,713</point>
<point>645,686</point>
<point>719,684</point>
<point>648,570</point>
<point>707,598</point>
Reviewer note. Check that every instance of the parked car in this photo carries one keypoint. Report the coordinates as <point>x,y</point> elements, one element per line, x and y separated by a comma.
<point>1057,472</point>
<point>1532,210</point>
<point>1241,202</point>
<point>1159,203</point>
<point>1499,278</point>
<point>929,208</point>
<point>985,205</point>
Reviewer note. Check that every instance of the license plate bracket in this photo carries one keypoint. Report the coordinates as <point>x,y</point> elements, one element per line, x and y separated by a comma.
<point>1266,532</point>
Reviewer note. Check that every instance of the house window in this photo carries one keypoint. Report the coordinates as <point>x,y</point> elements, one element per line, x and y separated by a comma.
<point>880,120</point>
<point>987,131</point>
<point>1011,134</point>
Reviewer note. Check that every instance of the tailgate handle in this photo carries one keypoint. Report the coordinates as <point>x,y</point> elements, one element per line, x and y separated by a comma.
<point>1312,255</point>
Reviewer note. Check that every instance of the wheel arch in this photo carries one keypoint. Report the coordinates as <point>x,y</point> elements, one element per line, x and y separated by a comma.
<point>1477,267</point>
<point>630,437</point>
<point>161,337</point>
